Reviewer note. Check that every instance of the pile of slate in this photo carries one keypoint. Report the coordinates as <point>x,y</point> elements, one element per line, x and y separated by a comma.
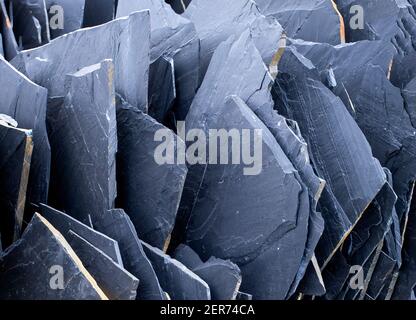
<point>87,86</point>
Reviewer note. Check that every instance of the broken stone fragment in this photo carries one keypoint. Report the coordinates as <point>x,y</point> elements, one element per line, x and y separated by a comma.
<point>117,225</point>
<point>30,23</point>
<point>43,266</point>
<point>223,277</point>
<point>311,20</point>
<point>149,184</point>
<point>10,46</point>
<point>83,137</point>
<point>332,138</point>
<point>65,16</point>
<point>116,283</point>
<point>16,151</point>
<point>178,281</point>
<point>125,41</point>
<point>233,19</point>
<point>26,102</point>
<point>244,296</point>
<point>64,223</point>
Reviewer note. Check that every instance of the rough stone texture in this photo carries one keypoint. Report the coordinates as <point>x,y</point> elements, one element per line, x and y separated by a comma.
<point>26,103</point>
<point>178,281</point>
<point>116,283</point>
<point>125,41</point>
<point>83,137</point>
<point>117,225</point>
<point>9,41</point>
<point>149,189</point>
<point>311,20</point>
<point>27,267</point>
<point>16,151</point>
<point>64,223</point>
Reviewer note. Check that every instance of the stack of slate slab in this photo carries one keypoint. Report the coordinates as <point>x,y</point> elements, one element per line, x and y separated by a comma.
<point>104,193</point>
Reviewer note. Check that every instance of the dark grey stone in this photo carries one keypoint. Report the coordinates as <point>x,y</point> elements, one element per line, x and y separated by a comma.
<point>117,225</point>
<point>178,281</point>
<point>30,23</point>
<point>83,137</point>
<point>175,37</point>
<point>116,283</point>
<point>98,12</point>
<point>16,152</point>
<point>244,296</point>
<point>125,41</point>
<point>64,223</point>
<point>10,46</point>
<point>215,26</point>
<point>187,256</point>
<point>26,102</point>
<point>339,150</point>
<point>409,95</point>
<point>179,5</point>
<point>311,20</point>
<point>149,189</point>
<point>27,268</point>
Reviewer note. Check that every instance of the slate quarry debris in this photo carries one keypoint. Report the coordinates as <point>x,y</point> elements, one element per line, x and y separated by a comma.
<point>207,149</point>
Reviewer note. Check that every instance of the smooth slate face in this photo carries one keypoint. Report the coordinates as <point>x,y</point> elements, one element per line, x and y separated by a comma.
<point>83,138</point>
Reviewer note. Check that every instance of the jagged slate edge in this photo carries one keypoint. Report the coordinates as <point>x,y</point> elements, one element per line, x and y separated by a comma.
<point>175,37</point>
<point>25,267</point>
<point>125,41</point>
<point>221,71</point>
<point>162,91</point>
<point>311,20</point>
<point>233,19</point>
<point>116,283</point>
<point>98,12</point>
<point>10,46</point>
<point>300,88</point>
<point>381,114</point>
<point>16,151</point>
<point>30,23</point>
<point>26,102</point>
<point>117,225</point>
<point>385,266</point>
<point>64,223</point>
<point>409,95</point>
<point>176,279</point>
<point>268,236</point>
<point>222,276</point>
<point>1,45</point>
<point>149,189</point>
<point>72,13</point>
<point>393,21</point>
<point>83,136</point>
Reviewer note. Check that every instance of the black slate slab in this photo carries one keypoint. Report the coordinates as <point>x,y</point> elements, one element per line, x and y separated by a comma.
<point>98,12</point>
<point>149,188</point>
<point>48,65</point>
<point>176,279</point>
<point>116,283</point>
<point>16,152</point>
<point>117,225</point>
<point>26,102</point>
<point>10,46</point>
<point>65,16</point>
<point>83,137</point>
<point>28,267</point>
<point>65,223</point>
